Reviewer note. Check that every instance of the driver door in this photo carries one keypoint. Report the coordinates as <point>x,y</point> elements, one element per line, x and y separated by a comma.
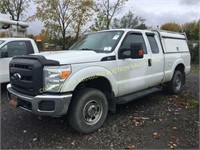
<point>132,73</point>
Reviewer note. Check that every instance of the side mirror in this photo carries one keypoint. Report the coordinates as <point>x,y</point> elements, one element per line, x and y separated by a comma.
<point>124,53</point>
<point>137,51</point>
<point>3,54</point>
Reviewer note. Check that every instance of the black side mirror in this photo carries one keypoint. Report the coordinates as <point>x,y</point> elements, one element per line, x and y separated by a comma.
<point>3,54</point>
<point>124,53</point>
<point>135,51</point>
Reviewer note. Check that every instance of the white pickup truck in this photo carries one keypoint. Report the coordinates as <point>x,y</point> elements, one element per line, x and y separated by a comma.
<point>99,71</point>
<point>10,47</point>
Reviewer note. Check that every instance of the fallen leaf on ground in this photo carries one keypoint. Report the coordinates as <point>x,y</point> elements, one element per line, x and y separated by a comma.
<point>156,135</point>
<point>60,147</point>
<point>130,146</point>
<point>173,146</point>
<point>111,145</point>
<point>174,139</point>
<point>138,121</point>
<point>73,143</point>
<point>24,131</point>
<point>174,128</point>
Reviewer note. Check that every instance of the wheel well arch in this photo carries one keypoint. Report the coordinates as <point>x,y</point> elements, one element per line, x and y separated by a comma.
<point>101,83</point>
<point>181,68</point>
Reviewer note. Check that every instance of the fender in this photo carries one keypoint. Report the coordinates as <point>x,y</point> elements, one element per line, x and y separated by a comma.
<point>169,74</point>
<point>89,73</point>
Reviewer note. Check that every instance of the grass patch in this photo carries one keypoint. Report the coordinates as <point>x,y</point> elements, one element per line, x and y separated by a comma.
<point>194,105</point>
<point>195,68</point>
<point>185,100</point>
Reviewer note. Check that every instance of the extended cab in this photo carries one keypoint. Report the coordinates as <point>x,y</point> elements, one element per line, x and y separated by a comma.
<point>10,47</point>
<point>99,71</point>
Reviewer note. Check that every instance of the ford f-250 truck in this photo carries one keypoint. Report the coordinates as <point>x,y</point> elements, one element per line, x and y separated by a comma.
<point>99,71</point>
<point>10,47</point>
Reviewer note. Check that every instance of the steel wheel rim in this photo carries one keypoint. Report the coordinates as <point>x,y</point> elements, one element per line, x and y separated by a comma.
<point>178,82</point>
<point>92,112</point>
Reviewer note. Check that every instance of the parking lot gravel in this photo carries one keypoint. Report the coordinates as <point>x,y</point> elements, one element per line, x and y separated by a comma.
<point>158,121</point>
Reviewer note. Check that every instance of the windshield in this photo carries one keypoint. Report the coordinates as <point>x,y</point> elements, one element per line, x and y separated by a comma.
<point>1,42</point>
<point>99,42</point>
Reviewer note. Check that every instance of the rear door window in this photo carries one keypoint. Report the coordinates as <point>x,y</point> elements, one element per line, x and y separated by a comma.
<point>153,44</point>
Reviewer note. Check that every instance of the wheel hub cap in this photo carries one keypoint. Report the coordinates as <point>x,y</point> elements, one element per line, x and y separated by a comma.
<point>178,83</point>
<point>92,112</point>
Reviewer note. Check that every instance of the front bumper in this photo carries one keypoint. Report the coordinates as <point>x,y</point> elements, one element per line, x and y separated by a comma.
<point>45,104</point>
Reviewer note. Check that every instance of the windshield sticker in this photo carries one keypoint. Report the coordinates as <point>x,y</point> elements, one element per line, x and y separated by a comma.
<point>116,37</point>
<point>107,48</point>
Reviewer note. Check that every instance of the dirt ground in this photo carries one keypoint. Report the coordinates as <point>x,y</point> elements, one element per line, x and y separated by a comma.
<point>158,121</point>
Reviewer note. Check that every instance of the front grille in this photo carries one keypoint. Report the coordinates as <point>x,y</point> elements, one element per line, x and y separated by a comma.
<point>26,73</point>
<point>22,66</point>
<point>31,75</point>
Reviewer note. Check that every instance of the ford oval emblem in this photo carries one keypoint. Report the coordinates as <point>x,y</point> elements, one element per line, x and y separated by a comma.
<point>17,77</point>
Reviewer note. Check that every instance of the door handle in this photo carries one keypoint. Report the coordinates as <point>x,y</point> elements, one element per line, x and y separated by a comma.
<point>149,62</point>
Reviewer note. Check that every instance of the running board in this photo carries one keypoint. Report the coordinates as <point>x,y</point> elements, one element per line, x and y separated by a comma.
<point>136,95</point>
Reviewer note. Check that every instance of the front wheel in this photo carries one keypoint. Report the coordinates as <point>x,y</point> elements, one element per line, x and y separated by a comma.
<point>88,110</point>
<point>176,84</point>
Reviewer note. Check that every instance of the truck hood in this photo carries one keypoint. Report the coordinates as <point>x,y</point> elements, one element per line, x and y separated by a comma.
<point>74,56</point>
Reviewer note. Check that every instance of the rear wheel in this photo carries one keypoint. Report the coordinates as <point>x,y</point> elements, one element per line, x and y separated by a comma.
<point>176,84</point>
<point>88,110</point>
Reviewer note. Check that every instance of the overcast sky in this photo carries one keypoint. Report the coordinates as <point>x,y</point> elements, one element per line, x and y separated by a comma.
<point>155,12</point>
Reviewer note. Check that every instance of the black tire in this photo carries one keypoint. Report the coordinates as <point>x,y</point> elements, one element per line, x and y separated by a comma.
<point>88,110</point>
<point>176,83</point>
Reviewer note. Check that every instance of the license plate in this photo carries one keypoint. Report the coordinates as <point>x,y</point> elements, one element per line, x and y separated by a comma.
<point>13,100</point>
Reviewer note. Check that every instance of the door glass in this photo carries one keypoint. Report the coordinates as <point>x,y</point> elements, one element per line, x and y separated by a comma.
<point>131,38</point>
<point>15,48</point>
<point>153,44</point>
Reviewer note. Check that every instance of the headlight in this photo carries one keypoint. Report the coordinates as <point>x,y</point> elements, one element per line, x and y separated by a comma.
<point>54,77</point>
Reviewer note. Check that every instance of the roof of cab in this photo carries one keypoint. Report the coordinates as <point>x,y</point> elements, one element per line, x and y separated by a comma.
<point>16,39</point>
<point>163,33</point>
<point>126,30</point>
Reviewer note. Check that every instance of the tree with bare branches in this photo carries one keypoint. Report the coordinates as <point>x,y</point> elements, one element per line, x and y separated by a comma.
<point>58,15</point>
<point>106,9</point>
<point>15,8</point>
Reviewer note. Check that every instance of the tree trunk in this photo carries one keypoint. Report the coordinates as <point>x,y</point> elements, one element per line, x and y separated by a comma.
<point>63,40</point>
<point>77,35</point>
<point>107,16</point>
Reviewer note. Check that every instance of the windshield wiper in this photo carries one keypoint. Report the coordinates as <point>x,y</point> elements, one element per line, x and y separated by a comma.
<point>87,49</point>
